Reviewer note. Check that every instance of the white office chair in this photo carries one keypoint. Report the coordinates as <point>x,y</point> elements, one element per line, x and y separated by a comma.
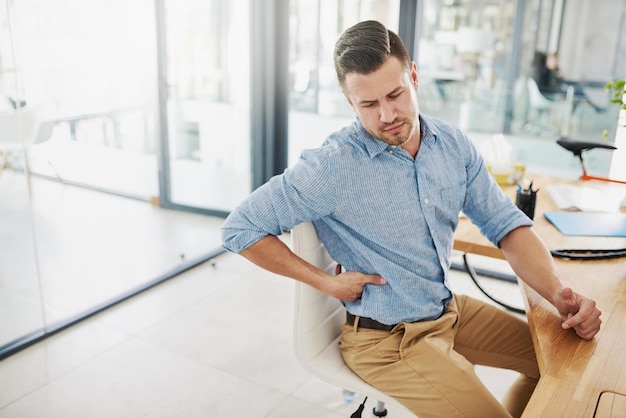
<point>550,115</point>
<point>19,130</point>
<point>318,321</point>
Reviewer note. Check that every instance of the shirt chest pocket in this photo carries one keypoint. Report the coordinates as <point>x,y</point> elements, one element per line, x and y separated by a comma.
<point>451,197</point>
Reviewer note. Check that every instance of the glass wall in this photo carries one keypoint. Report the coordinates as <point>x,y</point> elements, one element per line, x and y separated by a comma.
<point>465,49</point>
<point>93,64</point>
<point>477,58</point>
<point>79,114</point>
<point>20,294</point>
<point>207,78</point>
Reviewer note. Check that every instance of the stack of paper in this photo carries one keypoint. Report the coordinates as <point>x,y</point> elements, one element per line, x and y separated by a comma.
<point>592,198</point>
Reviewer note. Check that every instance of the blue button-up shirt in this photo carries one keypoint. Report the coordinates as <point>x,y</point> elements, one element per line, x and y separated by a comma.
<point>379,211</point>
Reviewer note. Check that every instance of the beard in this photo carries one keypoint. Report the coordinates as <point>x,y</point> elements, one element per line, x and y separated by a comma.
<point>396,133</point>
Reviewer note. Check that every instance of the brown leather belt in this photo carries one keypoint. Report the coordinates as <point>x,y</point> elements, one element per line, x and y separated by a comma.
<point>368,323</point>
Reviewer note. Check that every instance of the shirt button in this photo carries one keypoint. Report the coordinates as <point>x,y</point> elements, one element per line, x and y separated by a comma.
<point>426,201</point>
<point>390,151</point>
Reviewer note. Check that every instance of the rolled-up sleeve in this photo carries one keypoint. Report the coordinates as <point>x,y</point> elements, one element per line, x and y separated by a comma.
<point>302,193</point>
<point>487,205</point>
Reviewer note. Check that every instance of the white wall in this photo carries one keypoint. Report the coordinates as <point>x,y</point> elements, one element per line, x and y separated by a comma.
<point>589,39</point>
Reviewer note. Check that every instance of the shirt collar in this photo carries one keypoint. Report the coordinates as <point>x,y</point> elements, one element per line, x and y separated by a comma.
<point>373,146</point>
<point>430,131</point>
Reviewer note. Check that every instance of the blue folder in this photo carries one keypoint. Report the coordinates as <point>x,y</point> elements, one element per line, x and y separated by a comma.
<point>593,224</point>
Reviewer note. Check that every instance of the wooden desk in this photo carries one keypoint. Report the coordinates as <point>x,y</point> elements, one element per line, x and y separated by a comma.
<point>574,373</point>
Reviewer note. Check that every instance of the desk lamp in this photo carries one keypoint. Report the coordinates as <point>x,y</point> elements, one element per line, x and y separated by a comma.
<point>577,147</point>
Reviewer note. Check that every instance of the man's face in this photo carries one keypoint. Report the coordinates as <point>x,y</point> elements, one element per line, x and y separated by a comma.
<point>552,62</point>
<point>385,101</point>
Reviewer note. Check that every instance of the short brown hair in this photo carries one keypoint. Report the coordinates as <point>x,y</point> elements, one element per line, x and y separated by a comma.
<point>364,48</point>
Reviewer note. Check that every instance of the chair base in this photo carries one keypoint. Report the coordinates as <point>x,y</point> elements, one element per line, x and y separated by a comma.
<point>379,410</point>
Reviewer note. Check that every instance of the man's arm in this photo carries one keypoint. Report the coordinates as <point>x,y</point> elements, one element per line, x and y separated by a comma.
<point>533,263</point>
<point>270,253</point>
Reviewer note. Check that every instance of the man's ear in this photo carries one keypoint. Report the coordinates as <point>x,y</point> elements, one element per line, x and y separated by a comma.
<point>414,76</point>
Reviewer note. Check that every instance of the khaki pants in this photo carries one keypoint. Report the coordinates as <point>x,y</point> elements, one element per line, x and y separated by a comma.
<point>428,366</point>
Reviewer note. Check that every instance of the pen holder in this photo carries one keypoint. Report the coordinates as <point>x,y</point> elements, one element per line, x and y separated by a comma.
<point>526,201</point>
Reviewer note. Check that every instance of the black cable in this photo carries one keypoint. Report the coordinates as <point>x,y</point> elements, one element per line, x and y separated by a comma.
<point>580,254</point>
<point>470,271</point>
<point>358,413</point>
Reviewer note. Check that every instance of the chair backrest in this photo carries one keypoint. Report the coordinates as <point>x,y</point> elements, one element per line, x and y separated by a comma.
<point>318,317</point>
<point>318,320</point>
<point>535,98</point>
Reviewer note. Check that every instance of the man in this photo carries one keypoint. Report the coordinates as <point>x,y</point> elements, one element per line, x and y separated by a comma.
<point>384,195</point>
<point>550,81</point>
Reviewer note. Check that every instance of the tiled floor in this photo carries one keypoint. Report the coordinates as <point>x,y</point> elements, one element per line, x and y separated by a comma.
<point>65,249</point>
<point>212,342</point>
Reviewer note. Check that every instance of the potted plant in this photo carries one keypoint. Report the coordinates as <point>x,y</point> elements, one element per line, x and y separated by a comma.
<point>617,91</point>
<point>618,97</point>
<point>616,88</point>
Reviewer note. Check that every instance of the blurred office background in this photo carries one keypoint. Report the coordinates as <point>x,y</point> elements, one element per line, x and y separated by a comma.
<point>128,130</point>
